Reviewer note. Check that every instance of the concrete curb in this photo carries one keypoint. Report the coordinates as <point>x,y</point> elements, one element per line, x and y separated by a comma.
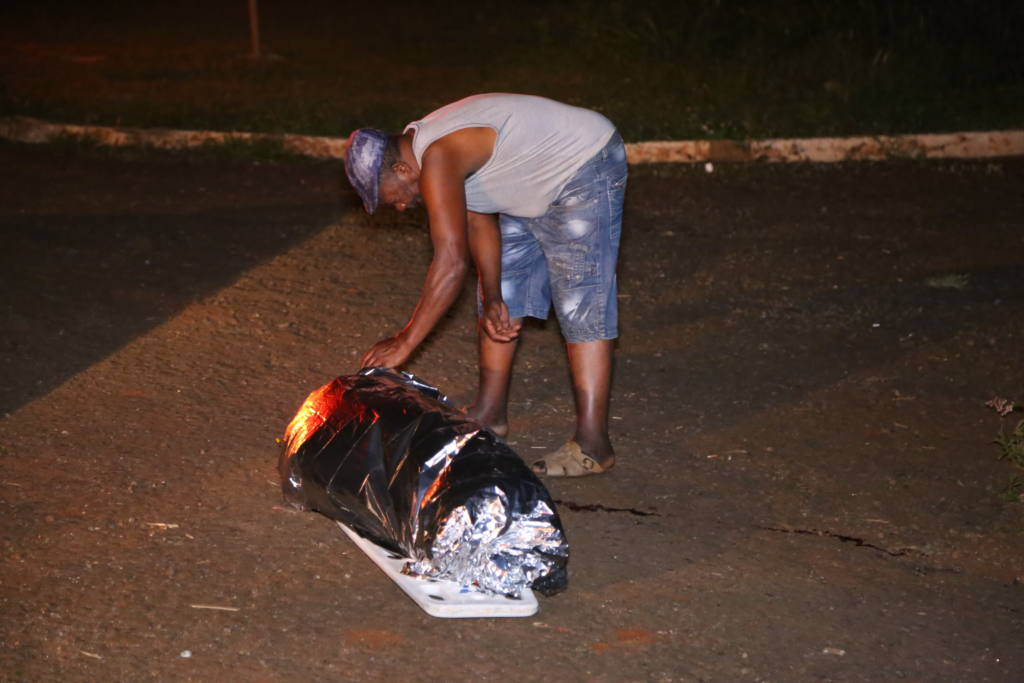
<point>829,150</point>
<point>964,145</point>
<point>24,129</point>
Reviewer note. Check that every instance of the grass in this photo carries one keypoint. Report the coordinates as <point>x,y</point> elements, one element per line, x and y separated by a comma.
<point>948,281</point>
<point>660,69</point>
<point>1011,445</point>
<point>1011,448</point>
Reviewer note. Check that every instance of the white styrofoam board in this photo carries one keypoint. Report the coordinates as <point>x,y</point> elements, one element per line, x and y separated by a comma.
<point>445,599</point>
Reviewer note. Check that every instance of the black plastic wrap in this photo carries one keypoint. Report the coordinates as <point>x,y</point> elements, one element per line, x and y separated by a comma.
<point>386,454</point>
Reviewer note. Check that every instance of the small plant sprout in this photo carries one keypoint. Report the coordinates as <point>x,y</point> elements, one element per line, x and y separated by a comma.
<point>1013,492</point>
<point>1011,445</point>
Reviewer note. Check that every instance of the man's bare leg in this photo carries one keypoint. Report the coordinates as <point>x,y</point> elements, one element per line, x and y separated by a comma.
<point>491,404</point>
<point>591,365</point>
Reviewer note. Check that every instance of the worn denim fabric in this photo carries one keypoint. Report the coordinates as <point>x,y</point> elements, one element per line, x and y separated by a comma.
<point>567,257</point>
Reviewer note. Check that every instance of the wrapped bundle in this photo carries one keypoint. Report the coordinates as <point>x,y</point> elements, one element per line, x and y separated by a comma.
<point>385,454</point>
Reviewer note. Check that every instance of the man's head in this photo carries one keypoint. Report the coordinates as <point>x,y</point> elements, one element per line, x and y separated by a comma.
<point>376,169</point>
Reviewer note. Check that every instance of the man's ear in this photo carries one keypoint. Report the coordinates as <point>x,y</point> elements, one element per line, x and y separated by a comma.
<point>401,169</point>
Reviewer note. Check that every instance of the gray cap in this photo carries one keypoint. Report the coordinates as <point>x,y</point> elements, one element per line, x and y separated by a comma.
<point>362,163</point>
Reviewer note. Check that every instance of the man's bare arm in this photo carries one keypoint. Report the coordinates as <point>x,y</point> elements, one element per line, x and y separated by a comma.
<point>442,186</point>
<point>485,247</point>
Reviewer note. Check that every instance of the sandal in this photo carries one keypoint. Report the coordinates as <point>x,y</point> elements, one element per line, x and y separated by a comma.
<point>567,461</point>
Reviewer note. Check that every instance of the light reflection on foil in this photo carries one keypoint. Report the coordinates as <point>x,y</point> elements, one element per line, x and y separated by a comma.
<point>386,454</point>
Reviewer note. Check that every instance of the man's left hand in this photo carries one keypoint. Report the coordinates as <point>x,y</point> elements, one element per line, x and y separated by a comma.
<point>496,322</point>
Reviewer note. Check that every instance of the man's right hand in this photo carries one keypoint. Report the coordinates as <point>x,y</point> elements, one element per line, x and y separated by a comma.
<point>387,353</point>
<point>496,322</point>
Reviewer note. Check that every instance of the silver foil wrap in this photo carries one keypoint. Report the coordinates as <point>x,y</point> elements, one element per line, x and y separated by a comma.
<point>485,543</point>
<point>387,455</point>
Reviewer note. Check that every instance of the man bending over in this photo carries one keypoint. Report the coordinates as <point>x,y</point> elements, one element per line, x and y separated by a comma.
<point>531,190</point>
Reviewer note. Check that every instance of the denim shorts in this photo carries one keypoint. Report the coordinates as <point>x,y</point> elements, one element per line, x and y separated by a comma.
<point>567,256</point>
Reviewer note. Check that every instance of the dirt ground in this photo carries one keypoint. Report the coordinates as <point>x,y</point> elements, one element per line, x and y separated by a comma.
<point>806,488</point>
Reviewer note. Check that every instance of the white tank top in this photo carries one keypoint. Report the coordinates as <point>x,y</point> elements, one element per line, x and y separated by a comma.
<point>540,144</point>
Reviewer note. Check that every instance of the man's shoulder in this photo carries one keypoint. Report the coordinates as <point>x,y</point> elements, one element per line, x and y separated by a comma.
<point>464,150</point>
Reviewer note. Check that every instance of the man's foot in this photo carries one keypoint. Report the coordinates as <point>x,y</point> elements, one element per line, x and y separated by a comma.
<point>570,461</point>
<point>498,426</point>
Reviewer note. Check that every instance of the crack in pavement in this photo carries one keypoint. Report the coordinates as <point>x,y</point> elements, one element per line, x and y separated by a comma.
<point>596,507</point>
<point>859,542</point>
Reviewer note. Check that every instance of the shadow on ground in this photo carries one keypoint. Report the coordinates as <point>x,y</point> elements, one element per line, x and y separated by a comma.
<point>88,270</point>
